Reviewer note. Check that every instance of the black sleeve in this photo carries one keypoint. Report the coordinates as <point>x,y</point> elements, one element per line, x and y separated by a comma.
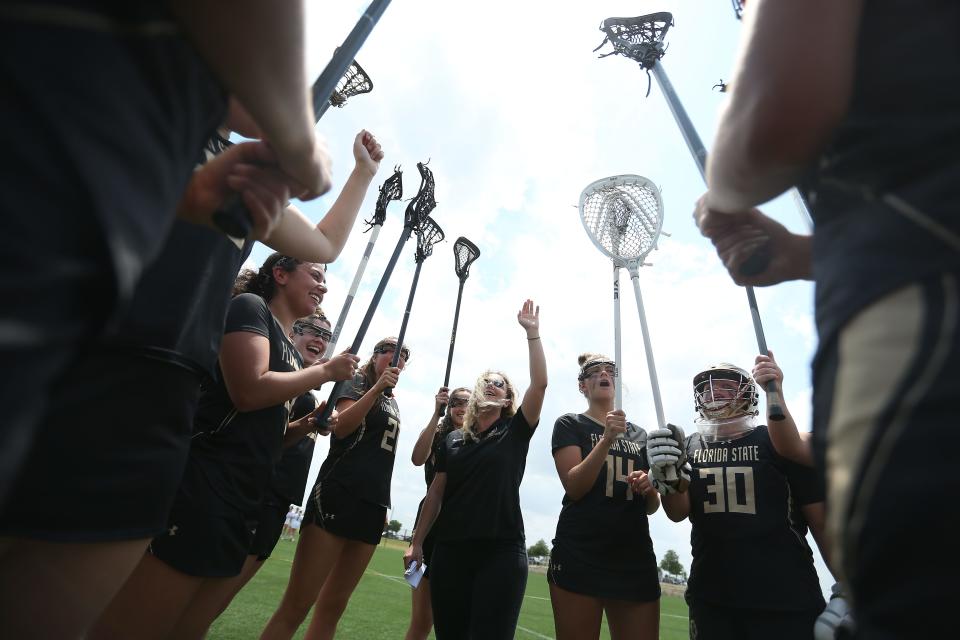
<point>302,406</point>
<point>248,312</point>
<point>564,433</point>
<point>519,422</point>
<point>352,389</point>
<point>440,461</point>
<point>804,482</point>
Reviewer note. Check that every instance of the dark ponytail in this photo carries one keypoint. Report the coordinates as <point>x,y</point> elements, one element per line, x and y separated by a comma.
<point>261,282</point>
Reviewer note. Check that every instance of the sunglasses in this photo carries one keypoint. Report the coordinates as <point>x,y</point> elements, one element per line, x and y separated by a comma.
<point>458,402</point>
<point>392,348</point>
<point>499,384</point>
<point>320,332</point>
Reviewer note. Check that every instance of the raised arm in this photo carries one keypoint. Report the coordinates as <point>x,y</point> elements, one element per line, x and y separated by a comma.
<point>297,237</point>
<point>786,438</point>
<point>257,50</point>
<point>787,98</point>
<point>529,319</point>
<point>421,448</point>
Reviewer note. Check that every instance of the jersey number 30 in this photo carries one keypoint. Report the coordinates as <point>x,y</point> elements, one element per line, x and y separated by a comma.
<point>724,494</point>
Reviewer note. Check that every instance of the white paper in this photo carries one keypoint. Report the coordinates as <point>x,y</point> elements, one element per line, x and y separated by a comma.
<point>414,573</point>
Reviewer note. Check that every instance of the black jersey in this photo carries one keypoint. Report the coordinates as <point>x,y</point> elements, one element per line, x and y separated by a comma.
<point>290,473</point>
<point>610,512</point>
<point>482,496</point>
<point>362,463</point>
<point>748,534</point>
<point>899,136</point>
<point>439,436</point>
<point>235,452</point>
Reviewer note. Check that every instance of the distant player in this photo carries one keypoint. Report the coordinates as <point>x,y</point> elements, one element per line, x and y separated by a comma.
<point>597,454</point>
<point>479,564</point>
<point>752,574</point>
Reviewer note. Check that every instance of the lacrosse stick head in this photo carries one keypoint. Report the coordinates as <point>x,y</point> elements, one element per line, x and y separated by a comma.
<point>623,216</point>
<point>640,38</point>
<point>429,233</point>
<point>391,189</point>
<point>354,82</point>
<point>464,254</point>
<point>738,8</point>
<point>423,203</point>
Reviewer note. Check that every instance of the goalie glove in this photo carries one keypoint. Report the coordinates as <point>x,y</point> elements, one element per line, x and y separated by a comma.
<point>836,621</point>
<point>666,450</point>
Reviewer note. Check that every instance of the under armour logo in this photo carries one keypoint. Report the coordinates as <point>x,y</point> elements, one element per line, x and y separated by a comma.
<point>329,516</point>
<point>172,531</point>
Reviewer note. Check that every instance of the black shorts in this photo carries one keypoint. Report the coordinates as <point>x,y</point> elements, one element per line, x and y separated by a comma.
<point>203,544</point>
<point>334,509</point>
<point>269,528</point>
<point>711,622</point>
<point>110,454</point>
<point>633,580</point>
<point>100,134</point>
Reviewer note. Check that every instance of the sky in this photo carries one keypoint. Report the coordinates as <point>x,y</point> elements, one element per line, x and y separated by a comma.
<point>516,116</point>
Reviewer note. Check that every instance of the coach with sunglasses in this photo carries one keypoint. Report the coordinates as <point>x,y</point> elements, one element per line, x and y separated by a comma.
<point>479,563</point>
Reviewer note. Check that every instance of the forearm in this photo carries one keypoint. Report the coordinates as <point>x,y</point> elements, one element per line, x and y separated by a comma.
<point>428,515</point>
<point>581,477</point>
<point>787,441</point>
<point>421,448</point>
<point>297,430</point>
<point>533,398</point>
<point>351,417</point>
<point>653,502</point>
<point>258,53</point>
<point>677,506</point>
<point>274,387</point>
<point>296,236</point>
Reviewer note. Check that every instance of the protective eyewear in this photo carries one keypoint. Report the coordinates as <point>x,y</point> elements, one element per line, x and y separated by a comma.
<point>392,348</point>
<point>320,332</point>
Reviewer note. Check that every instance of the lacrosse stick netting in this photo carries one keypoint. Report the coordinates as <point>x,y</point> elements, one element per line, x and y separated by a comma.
<point>623,215</point>
<point>391,189</point>
<point>354,82</point>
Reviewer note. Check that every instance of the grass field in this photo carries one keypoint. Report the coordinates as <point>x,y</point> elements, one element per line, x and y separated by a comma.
<point>380,607</point>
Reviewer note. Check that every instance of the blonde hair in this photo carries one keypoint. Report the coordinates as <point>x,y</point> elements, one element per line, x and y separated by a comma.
<point>478,402</point>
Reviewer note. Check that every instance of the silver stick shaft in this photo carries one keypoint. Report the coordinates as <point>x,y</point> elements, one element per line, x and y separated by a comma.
<point>353,291</point>
<point>618,377</point>
<point>647,347</point>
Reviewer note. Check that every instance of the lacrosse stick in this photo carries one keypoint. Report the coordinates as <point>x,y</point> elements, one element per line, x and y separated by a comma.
<point>738,8</point>
<point>354,82</point>
<point>428,233</point>
<point>391,189</point>
<point>418,209</point>
<point>464,254</point>
<point>623,216</point>
<point>233,218</point>
<point>641,40</point>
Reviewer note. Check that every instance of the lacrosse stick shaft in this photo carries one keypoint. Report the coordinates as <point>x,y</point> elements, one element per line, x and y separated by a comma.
<point>403,325</point>
<point>700,158</point>
<point>670,473</point>
<point>233,218</point>
<point>453,341</point>
<point>353,291</point>
<point>774,401</point>
<point>324,416</point>
<point>617,344</point>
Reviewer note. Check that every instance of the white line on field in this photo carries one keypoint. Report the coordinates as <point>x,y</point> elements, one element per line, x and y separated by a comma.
<point>534,633</point>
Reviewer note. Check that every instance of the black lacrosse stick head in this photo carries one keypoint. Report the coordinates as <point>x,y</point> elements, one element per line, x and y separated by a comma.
<point>640,38</point>
<point>391,189</point>
<point>423,203</point>
<point>428,233</point>
<point>354,82</point>
<point>464,254</point>
<point>738,8</point>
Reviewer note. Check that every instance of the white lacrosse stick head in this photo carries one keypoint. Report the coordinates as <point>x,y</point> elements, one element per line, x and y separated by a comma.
<point>623,216</point>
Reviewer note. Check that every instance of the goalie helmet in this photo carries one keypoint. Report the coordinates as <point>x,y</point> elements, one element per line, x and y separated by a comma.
<point>726,399</point>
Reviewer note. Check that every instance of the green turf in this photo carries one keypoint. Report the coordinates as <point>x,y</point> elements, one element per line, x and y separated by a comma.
<point>380,606</point>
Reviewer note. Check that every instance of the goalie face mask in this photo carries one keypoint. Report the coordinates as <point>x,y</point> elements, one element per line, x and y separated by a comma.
<point>726,399</point>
